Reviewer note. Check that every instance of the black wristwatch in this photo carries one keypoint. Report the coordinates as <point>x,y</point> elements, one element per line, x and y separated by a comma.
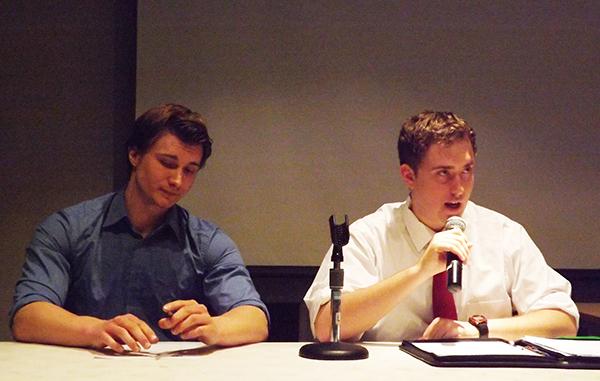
<point>480,322</point>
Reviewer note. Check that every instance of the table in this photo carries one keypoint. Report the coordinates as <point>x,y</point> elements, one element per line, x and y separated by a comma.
<point>262,361</point>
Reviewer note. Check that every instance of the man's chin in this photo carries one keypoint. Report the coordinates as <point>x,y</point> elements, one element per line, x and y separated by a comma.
<point>451,212</point>
<point>165,202</point>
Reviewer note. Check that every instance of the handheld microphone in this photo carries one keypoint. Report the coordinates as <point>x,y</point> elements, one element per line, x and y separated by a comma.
<point>453,264</point>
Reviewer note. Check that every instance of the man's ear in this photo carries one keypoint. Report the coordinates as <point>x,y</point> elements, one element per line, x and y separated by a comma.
<point>408,176</point>
<point>134,157</point>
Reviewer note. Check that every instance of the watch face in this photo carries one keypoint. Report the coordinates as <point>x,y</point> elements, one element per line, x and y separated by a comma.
<point>480,322</point>
<point>477,319</point>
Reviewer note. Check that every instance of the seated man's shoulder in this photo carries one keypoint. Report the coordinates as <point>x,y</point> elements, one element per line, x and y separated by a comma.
<point>488,216</point>
<point>385,216</point>
<point>197,225</point>
<point>97,204</point>
<point>212,243</point>
<point>204,231</point>
<point>81,214</point>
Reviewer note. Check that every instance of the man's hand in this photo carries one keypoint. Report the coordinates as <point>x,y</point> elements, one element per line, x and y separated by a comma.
<point>454,241</point>
<point>123,329</point>
<point>449,329</point>
<point>43,322</point>
<point>190,321</point>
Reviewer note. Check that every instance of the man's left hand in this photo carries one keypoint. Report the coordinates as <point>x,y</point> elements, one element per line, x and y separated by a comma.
<point>191,321</point>
<point>449,329</point>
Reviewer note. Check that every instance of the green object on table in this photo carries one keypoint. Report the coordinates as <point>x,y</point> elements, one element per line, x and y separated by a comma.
<point>580,337</point>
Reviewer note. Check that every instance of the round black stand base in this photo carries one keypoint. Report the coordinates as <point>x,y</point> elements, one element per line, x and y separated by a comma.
<point>333,351</point>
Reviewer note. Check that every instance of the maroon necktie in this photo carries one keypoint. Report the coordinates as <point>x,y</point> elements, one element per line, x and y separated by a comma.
<point>442,300</point>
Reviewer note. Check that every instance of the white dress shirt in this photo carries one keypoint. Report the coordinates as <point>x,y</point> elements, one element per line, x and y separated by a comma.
<point>506,273</point>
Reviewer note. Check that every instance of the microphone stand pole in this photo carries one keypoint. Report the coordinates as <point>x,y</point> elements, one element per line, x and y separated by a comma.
<point>335,350</point>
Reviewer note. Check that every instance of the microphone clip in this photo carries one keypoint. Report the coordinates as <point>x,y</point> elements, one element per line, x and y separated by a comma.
<point>340,236</point>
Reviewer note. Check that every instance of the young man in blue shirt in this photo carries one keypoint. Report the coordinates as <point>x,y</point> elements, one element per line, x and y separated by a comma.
<point>132,267</point>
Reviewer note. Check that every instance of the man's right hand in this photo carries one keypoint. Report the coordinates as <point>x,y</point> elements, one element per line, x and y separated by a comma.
<point>123,329</point>
<point>43,322</point>
<point>454,241</point>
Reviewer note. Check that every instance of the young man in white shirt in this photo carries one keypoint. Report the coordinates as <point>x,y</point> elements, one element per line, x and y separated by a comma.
<point>508,290</point>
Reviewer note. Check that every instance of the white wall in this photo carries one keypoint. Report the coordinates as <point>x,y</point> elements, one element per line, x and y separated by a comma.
<point>304,101</point>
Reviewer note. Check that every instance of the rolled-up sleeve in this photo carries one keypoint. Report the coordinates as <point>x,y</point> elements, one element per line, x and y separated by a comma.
<point>227,283</point>
<point>536,285</point>
<point>45,275</point>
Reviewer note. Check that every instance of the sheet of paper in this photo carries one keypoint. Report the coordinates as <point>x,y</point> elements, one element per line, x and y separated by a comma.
<point>160,349</point>
<point>588,348</point>
<point>474,348</point>
<point>170,346</point>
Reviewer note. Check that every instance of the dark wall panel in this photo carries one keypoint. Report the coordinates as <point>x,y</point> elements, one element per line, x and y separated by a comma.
<point>68,97</point>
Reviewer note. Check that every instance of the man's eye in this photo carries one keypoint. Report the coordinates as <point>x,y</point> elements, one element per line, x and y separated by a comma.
<point>168,164</point>
<point>191,171</point>
<point>443,173</point>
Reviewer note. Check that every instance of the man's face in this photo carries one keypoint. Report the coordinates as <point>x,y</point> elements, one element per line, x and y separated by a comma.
<point>443,183</point>
<point>166,172</point>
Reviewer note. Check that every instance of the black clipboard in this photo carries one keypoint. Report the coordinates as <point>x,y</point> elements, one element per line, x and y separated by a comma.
<point>539,358</point>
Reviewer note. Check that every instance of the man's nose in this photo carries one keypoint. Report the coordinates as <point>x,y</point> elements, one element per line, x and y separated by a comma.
<point>457,187</point>
<point>176,178</point>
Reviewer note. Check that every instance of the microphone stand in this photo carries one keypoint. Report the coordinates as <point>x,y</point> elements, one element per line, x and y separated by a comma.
<point>335,350</point>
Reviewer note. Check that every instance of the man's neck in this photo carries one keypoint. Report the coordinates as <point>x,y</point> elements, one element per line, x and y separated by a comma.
<point>144,216</point>
<point>435,227</point>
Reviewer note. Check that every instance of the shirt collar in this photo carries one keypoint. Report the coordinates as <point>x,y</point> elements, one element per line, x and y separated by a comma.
<point>418,232</point>
<point>175,223</point>
<point>118,212</point>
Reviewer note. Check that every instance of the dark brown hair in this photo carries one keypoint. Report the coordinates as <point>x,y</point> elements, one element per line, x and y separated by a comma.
<point>178,120</point>
<point>419,132</point>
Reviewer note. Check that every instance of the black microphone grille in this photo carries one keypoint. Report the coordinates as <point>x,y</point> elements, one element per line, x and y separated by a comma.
<point>455,222</point>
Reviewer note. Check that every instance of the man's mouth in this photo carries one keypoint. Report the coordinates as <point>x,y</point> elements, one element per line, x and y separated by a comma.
<point>169,194</point>
<point>453,205</point>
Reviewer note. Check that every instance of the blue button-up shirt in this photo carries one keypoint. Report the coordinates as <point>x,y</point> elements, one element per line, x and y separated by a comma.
<point>88,259</point>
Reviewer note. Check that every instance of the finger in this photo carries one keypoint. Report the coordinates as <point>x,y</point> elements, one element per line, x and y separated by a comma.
<point>122,334</point>
<point>142,334</point>
<point>191,321</point>
<point>459,246</point>
<point>198,334</point>
<point>462,251</point>
<point>172,307</point>
<point>466,247</point>
<point>165,323</point>
<point>148,333</point>
<point>469,250</point>
<point>135,328</point>
<point>194,333</point>
<point>441,329</point>
<point>450,329</point>
<point>446,330</point>
<point>181,314</point>
<point>187,310</point>
<point>108,341</point>
<point>430,328</point>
